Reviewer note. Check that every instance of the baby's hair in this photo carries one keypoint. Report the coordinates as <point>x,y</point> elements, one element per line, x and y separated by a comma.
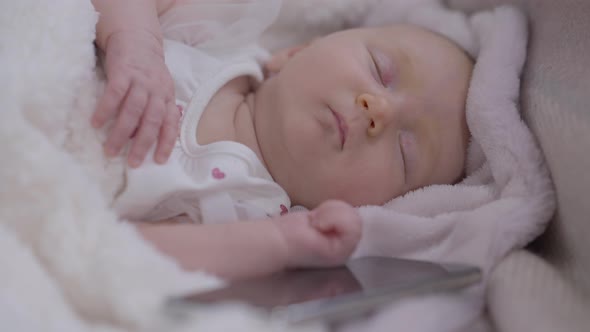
<point>468,56</point>
<point>448,39</point>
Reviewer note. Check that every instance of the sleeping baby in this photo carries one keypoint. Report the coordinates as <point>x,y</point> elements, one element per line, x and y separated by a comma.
<point>354,118</point>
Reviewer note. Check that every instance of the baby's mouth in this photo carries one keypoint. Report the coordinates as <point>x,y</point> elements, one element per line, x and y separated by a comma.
<point>342,127</point>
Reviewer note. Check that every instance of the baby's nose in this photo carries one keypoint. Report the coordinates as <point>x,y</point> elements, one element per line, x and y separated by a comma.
<point>378,111</point>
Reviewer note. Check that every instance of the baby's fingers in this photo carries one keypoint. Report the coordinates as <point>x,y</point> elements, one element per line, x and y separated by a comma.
<point>128,120</point>
<point>108,106</point>
<point>339,226</point>
<point>168,133</point>
<point>148,131</point>
<point>338,219</point>
<point>324,225</point>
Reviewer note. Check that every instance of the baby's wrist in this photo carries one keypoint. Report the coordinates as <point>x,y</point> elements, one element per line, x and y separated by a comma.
<point>289,227</point>
<point>143,37</point>
<point>283,251</point>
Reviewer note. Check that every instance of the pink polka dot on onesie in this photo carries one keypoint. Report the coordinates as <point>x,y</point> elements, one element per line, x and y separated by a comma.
<point>217,174</point>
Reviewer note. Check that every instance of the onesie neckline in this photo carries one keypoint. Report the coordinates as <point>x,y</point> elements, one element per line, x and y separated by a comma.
<point>195,108</point>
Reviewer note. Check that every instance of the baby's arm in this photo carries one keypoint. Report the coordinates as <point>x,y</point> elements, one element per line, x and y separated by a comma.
<point>117,15</point>
<point>320,238</point>
<point>139,93</point>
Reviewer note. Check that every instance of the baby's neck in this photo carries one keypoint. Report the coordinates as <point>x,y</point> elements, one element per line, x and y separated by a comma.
<point>229,116</point>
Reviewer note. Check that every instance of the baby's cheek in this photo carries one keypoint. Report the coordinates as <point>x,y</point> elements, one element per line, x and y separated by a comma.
<point>375,180</point>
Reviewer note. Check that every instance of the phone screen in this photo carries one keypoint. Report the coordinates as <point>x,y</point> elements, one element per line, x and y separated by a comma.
<point>361,283</point>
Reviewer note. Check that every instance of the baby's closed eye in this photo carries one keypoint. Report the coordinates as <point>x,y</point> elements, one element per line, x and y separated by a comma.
<point>382,66</point>
<point>407,143</point>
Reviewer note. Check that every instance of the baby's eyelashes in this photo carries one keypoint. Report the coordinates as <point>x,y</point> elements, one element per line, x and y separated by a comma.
<point>383,67</point>
<point>407,144</point>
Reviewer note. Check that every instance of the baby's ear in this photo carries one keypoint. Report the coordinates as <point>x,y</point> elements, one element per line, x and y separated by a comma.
<point>281,57</point>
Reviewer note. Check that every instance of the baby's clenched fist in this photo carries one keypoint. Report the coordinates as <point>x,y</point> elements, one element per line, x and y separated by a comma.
<point>324,237</point>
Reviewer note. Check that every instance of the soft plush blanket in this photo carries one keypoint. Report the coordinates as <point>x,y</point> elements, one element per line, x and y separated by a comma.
<point>68,264</point>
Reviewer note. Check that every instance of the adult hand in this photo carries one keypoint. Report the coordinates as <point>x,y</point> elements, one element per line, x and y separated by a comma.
<point>139,96</point>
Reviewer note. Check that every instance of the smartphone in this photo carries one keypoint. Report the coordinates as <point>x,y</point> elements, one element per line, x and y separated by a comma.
<point>336,294</point>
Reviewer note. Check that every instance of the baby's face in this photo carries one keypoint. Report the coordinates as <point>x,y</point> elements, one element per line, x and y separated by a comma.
<point>365,116</point>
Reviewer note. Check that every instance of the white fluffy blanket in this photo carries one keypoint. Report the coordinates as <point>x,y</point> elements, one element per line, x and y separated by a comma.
<point>69,265</point>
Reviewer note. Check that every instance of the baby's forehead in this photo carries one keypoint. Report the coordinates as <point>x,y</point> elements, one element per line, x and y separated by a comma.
<point>420,44</point>
<point>405,32</point>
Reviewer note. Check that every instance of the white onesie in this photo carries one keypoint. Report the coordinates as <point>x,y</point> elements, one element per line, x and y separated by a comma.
<point>222,181</point>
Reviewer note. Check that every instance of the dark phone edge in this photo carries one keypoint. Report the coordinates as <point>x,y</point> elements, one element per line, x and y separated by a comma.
<point>349,305</point>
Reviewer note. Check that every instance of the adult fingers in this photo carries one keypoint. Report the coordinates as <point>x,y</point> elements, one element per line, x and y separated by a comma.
<point>168,133</point>
<point>108,105</point>
<point>128,120</point>
<point>149,128</point>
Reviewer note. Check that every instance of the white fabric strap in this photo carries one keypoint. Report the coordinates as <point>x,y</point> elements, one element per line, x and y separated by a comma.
<point>215,209</point>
